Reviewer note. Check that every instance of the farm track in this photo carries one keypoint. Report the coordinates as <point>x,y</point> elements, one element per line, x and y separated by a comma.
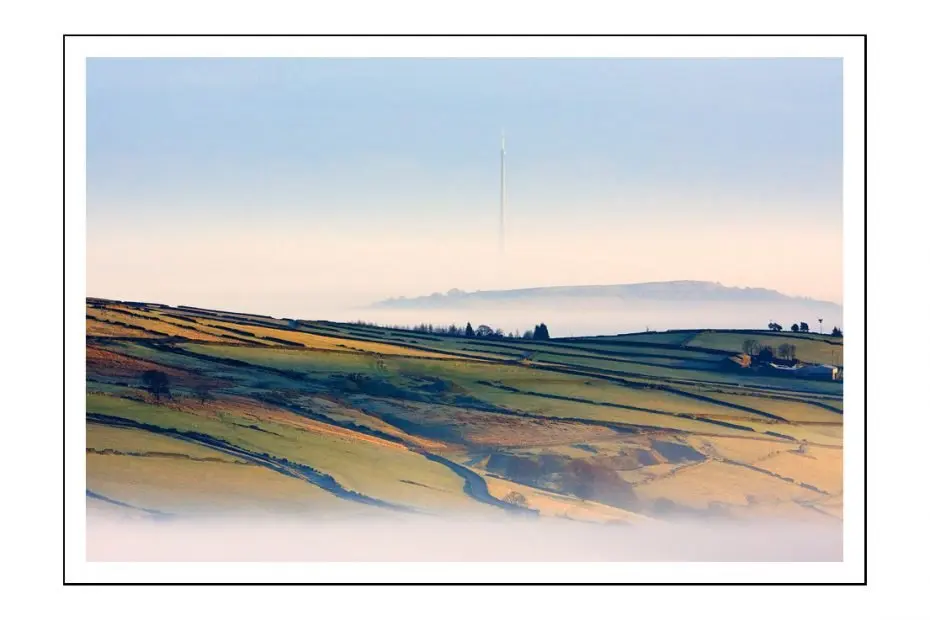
<point>279,465</point>
<point>309,414</point>
<point>474,485</point>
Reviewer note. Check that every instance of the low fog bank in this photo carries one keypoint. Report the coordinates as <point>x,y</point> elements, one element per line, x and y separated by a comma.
<point>600,317</point>
<point>433,539</point>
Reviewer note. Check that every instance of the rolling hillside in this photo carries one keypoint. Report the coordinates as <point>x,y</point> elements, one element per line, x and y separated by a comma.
<point>276,416</point>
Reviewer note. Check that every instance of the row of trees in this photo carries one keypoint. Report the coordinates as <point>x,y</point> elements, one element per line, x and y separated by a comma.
<point>803,327</point>
<point>539,332</point>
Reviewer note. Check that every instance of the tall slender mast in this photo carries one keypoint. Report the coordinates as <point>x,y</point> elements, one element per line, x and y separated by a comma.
<point>503,195</point>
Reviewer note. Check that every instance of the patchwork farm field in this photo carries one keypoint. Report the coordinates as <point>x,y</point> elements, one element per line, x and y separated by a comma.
<point>193,411</point>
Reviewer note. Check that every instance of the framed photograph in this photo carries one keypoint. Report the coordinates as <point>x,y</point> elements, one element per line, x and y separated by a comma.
<point>452,303</point>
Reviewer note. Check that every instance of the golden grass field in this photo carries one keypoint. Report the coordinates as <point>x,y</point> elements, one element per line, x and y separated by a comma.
<point>153,325</point>
<point>714,481</point>
<point>328,343</point>
<point>555,505</point>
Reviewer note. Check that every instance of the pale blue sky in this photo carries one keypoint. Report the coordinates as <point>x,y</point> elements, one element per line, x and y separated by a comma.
<point>403,150</point>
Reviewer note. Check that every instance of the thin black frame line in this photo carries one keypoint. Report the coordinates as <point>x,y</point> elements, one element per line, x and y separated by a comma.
<point>459,35</point>
<point>64,287</point>
<point>865,297</point>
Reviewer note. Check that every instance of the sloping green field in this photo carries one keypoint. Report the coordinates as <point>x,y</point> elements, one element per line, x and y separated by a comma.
<point>810,348</point>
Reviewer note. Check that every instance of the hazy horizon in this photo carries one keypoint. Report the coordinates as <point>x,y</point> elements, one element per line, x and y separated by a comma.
<point>308,187</point>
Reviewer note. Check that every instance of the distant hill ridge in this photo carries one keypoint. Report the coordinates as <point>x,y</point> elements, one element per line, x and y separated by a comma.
<point>680,290</point>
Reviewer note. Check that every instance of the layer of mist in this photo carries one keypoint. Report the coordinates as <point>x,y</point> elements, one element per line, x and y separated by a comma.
<point>681,290</point>
<point>591,317</point>
<point>434,539</point>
